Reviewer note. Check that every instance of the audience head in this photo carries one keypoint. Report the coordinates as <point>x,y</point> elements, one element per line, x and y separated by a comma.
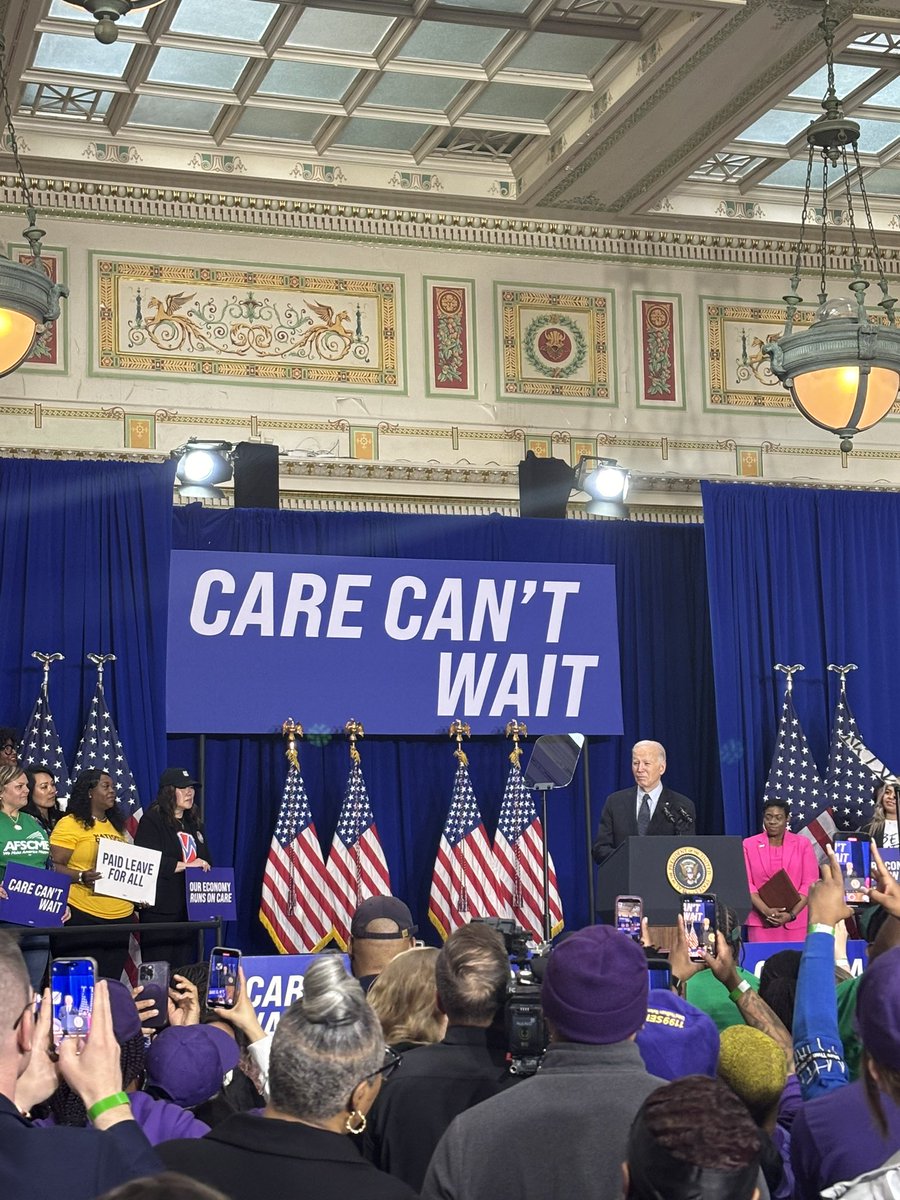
<point>677,1039</point>
<point>382,927</point>
<point>16,1013</point>
<point>93,798</point>
<point>878,1018</point>
<point>755,1069</point>
<point>9,746</point>
<point>189,1062</point>
<point>692,1139</point>
<point>472,973</point>
<point>595,987</point>
<point>328,1051</point>
<point>778,984</point>
<point>405,998</point>
<point>170,1185</point>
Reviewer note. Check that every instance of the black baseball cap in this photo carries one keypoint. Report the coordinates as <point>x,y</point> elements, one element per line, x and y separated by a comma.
<point>382,908</point>
<point>177,777</point>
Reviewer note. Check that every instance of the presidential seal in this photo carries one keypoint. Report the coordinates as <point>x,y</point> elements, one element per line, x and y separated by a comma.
<point>689,871</point>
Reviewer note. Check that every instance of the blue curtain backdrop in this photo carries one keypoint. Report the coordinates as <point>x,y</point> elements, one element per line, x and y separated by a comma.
<point>798,576</point>
<point>667,684</point>
<point>84,568</point>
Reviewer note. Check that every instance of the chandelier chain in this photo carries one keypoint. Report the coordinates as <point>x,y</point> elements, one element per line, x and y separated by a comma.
<point>13,141</point>
<point>876,249</point>
<point>823,254</point>
<point>851,215</point>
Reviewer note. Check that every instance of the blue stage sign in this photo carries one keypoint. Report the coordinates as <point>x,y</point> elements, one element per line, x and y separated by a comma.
<point>402,645</point>
<point>210,894</point>
<point>35,897</point>
<point>275,981</point>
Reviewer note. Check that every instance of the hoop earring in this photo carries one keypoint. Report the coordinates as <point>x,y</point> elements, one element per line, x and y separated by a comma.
<point>356,1122</point>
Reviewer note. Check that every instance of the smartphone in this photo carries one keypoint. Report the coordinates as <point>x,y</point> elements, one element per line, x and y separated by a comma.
<point>659,973</point>
<point>629,911</point>
<point>700,927</point>
<point>72,997</point>
<point>854,852</point>
<point>154,979</point>
<point>223,986</point>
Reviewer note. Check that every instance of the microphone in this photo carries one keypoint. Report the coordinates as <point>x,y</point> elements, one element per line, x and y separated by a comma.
<point>685,816</point>
<point>669,815</point>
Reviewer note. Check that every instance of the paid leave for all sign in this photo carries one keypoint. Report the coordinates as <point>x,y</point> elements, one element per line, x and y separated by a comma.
<point>127,872</point>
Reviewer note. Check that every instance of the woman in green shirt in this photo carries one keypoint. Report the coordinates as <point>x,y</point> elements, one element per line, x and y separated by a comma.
<point>22,840</point>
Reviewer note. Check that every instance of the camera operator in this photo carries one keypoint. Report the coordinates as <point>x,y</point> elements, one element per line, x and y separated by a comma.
<point>440,1081</point>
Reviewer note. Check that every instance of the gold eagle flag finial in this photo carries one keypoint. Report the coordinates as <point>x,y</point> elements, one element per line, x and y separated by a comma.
<point>354,730</point>
<point>459,729</point>
<point>516,730</point>
<point>292,730</point>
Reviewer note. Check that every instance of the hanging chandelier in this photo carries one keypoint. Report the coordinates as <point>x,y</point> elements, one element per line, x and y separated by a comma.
<point>843,371</point>
<point>107,12</point>
<point>29,300</point>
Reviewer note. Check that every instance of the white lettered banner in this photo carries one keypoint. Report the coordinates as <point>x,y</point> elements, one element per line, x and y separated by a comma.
<point>127,872</point>
<point>402,645</point>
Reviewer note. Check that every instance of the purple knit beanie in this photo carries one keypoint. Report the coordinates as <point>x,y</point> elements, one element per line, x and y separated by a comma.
<point>595,987</point>
<point>878,1009</point>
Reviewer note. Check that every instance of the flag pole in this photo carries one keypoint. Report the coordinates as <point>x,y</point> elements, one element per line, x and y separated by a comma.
<point>354,731</point>
<point>790,672</point>
<point>458,730</point>
<point>516,731</point>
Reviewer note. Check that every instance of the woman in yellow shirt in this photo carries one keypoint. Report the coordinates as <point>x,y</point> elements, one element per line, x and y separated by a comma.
<point>92,814</point>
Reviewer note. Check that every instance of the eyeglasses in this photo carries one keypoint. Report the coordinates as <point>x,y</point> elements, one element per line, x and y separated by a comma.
<point>391,1062</point>
<point>33,1004</point>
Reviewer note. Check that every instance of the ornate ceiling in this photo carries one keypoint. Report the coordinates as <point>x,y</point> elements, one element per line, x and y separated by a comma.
<point>678,111</point>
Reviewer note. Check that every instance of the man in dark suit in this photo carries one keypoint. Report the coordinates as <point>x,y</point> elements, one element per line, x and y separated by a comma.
<point>648,808</point>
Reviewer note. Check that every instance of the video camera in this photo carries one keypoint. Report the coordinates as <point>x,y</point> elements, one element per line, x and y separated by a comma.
<point>525,1030</point>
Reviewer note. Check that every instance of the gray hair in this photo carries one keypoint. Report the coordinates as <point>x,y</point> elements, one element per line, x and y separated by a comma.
<point>657,746</point>
<point>325,1044</point>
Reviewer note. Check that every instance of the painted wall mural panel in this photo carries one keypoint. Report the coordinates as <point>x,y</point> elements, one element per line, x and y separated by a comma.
<point>450,337</point>
<point>737,372</point>
<point>659,351</point>
<point>172,317</point>
<point>556,343</point>
<point>49,351</point>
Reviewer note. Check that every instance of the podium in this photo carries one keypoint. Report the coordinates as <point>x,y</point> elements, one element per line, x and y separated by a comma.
<point>639,868</point>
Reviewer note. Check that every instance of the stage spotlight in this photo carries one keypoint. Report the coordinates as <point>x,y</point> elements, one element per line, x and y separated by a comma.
<point>606,484</point>
<point>202,465</point>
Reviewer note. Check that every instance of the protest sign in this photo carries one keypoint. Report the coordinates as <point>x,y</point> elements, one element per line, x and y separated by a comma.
<point>275,981</point>
<point>35,897</point>
<point>127,872</point>
<point>210,894</point>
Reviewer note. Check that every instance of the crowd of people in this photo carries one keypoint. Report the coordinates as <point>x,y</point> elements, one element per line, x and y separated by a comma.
<point>406,1075</point>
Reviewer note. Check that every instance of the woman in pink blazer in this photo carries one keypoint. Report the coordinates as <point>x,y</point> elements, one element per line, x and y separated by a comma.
<point>766,853</point>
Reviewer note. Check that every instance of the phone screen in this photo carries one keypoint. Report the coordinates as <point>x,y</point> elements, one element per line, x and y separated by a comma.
<point>660,977</point>
<point>222,989</point>
<point>699,914</point>
<point>72,996</point>
<point>629,910</point>
<point>854,853</point>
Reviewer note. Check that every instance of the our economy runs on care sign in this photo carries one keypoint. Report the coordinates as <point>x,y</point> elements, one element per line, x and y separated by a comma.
<point>402,645</point>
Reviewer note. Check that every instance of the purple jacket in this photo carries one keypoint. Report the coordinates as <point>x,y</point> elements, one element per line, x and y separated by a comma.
<point>834,1138</point>
<point>160,1120</point>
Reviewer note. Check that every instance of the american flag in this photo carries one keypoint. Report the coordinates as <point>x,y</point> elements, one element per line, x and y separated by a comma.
<point>42,748</point>
<point>849,782</point>
<point>100,749</point>
<point>519,855</point>
<point>464,883</point>
<point>820,831</point>
<point>296,906</point>
<point>356,866</point>
<point>793,777</point>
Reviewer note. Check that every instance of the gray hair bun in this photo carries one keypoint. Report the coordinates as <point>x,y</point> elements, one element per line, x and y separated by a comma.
<point>330,995</point>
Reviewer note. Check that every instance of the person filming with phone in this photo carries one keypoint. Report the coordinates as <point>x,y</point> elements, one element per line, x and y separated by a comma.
<point>46,1164</point>
<point>647,809</point>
